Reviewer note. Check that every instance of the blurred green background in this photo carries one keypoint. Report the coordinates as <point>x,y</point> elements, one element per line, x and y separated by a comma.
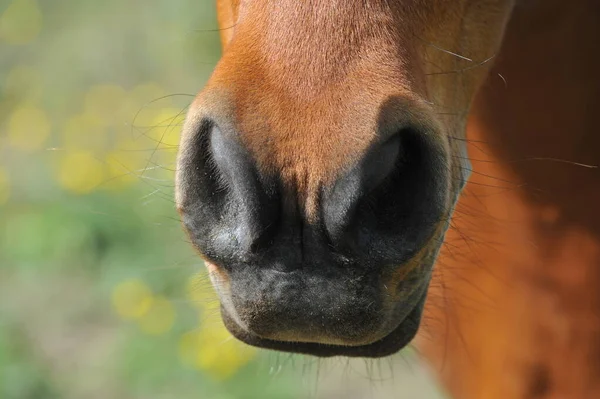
<point>100,294</point>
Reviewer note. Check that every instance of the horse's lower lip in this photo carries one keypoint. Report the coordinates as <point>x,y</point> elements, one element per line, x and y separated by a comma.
<point>386,346</point>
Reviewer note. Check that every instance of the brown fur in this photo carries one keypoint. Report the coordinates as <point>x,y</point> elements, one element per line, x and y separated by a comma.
<point>519,316</point>
<point>338,84</point>
<point>513,309</point>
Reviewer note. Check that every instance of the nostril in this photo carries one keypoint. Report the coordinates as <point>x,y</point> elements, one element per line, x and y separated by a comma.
<point>390,201</point>
<point>378,164</point>
<point>231,207</point>
<point>264,237</point>
<point>252,198</point>
<point>355,185</point>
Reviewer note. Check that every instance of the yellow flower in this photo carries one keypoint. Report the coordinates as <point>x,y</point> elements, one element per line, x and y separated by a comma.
<point>159,318</point>
<point>28,128</point>
<point>132,299</point>
<point>127,161</point>
<point>4,187</point>
<point>189,344</point>
<point>165,128</point>
<point>141,107</point>
<point>21,22</point>
<point>211,347</point>
<point>214,350</point>
<point>164,139</point>
<point>80,172</point>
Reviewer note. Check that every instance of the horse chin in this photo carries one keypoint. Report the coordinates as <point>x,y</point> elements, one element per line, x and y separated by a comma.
<point>388,345</point>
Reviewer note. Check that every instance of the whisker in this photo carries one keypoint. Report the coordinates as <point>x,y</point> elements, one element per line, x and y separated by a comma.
<point>462,69</point>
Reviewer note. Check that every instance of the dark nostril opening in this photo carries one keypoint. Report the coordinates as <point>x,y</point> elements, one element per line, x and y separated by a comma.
<point>379,164</point>
<point>348,191</point>
<point>233,208</point>
<point>252,197</point>
<point>265,235</point>
<point>387,204</point>
<point>355,185</point>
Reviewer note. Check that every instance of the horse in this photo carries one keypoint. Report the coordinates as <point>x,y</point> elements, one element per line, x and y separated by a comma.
<point>360,175</point>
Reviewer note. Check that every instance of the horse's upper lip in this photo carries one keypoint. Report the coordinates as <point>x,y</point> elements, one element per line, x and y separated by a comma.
<point>386,346</point>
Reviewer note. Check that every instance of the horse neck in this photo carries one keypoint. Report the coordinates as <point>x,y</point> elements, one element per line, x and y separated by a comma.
<point>514,313</point>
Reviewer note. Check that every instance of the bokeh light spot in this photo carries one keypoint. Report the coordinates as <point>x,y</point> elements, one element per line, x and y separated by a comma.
<point>132,299</point>
<point>127,161</point>
<point>80,172</point>
<point>214,350</point>
<point>159,318</point>
<point>21,22</point>
<point>140,106</point>
<point>166,127</point>
<point>28,128</point>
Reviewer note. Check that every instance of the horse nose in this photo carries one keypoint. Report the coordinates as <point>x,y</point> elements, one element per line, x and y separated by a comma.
<point>381,210</point>
<point>227,206</point>
<point>387,205</point>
